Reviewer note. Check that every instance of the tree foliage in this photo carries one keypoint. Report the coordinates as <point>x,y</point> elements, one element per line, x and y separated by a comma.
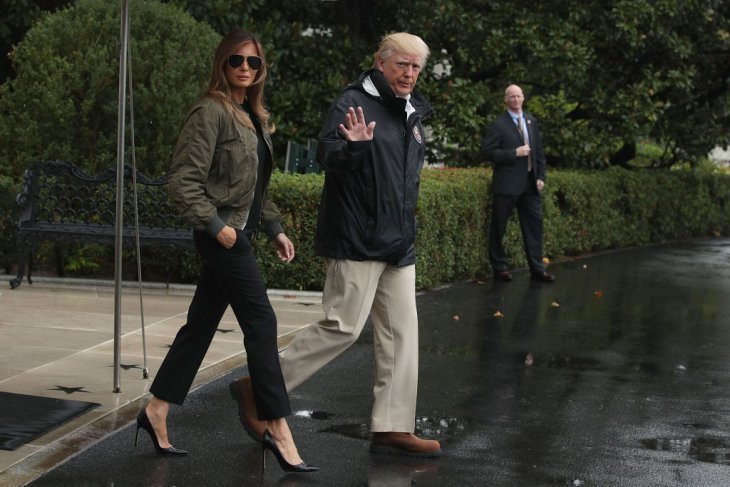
<point>63,101</point>
<point>314,48</point>
<point>602,76</point>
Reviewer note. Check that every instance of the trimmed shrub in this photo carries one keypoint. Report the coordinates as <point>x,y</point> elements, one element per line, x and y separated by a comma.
<point>585,211</point>
<point>63,102</point>
<point>451,240</point>
<point>8,223</point>
<point>297,196</point>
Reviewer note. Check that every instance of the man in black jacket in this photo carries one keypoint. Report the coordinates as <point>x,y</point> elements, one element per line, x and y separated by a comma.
<point>514,147</point>
<point>372,146</point>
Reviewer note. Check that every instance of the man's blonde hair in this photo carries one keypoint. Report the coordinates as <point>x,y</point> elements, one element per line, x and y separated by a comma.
<point>403,43</point>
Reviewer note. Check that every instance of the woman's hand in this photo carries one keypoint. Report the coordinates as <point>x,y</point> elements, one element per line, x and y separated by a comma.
<point>284,247</point>
<point>226,237</point>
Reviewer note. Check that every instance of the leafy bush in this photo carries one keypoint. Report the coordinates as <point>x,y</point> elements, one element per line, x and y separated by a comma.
<point>63,102</point>
<point>8,219</point>
<point>452,224</point>
<point>297,197</point>
<point>596,107</point>
<point>585,211</point>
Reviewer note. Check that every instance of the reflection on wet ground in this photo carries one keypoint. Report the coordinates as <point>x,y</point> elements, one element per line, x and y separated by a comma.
<point>713,450</point>
<point>313,414</point>
<point>615,375</point>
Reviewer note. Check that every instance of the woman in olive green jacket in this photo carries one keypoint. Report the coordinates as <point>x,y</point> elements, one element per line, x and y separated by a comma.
<point>218,178</point>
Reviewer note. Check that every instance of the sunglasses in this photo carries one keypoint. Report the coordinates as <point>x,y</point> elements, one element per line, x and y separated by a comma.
<point>254,62</point>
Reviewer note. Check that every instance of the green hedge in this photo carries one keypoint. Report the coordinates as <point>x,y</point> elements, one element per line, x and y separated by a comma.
<point>8,222</point>
<point>585,211</point>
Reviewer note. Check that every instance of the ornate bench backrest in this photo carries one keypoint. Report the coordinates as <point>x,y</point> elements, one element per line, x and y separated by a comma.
<point>60,193</point>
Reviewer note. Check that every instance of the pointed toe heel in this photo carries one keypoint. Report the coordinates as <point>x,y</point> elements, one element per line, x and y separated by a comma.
<point>267,443</point>
<point>144,422</point>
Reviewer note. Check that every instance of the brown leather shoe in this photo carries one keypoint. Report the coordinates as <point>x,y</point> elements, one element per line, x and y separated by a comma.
<point>242,393</point>
<point>408,444</point>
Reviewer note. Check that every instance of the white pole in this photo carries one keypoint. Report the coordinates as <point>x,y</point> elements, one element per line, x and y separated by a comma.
<point>124,35</point>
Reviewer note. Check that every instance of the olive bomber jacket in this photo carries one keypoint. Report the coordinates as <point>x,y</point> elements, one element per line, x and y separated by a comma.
<point>212,177</point>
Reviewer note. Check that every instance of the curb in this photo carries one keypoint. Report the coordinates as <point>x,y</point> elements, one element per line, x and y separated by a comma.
<point>171,288</point>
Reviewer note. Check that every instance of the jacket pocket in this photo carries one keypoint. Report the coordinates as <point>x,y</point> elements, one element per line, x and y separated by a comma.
<point>219,181</point>
<point>243,169</point>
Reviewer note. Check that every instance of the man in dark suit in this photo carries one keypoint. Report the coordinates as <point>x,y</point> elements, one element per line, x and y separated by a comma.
<point>514,147</point>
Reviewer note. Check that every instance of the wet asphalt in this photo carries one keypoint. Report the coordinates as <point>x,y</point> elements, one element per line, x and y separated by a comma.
<point>617,374</point>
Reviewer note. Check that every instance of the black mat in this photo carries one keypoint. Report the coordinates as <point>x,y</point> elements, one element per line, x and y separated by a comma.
<point>24,418</point>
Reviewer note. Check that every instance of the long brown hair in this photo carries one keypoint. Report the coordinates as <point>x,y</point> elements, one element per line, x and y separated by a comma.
<point>219,88</point>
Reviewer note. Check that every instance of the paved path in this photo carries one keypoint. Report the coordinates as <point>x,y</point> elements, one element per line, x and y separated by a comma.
<point>618,374</point>
<point>57,340</point>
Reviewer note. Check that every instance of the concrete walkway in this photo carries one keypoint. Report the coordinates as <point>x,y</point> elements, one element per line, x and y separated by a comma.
<point>57,340</point>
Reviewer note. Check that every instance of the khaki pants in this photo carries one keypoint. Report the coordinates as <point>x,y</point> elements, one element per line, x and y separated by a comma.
<point>352,291</point>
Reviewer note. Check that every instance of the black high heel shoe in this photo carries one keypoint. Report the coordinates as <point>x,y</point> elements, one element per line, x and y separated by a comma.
<point>144,422</point>
<point>267,443</point>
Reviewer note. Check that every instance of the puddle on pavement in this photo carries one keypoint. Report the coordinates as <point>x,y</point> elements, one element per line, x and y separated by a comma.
<point>703,449</point>
<point>314,414</point>
<point>438,428</point>
<point>557,361</point>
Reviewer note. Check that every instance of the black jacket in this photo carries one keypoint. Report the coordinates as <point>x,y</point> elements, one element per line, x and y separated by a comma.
<point>367,210</point>
<point>500,144</point>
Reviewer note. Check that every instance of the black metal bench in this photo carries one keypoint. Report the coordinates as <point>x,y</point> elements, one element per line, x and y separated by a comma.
<point>60,202</point>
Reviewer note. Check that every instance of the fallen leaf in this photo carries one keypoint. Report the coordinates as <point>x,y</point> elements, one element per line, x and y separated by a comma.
<point>498,314</point>
<point>598,294</point>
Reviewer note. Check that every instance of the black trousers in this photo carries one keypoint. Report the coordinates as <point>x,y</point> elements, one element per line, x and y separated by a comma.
<point>529,211</point>
<point>227,277</point>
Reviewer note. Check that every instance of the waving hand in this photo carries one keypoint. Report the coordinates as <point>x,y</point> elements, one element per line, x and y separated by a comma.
<point>355,129</point>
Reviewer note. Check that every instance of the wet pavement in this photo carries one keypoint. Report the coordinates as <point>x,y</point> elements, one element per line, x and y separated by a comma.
<point>618,374</point>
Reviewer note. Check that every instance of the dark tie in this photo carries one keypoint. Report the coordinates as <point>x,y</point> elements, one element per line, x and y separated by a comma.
<point>524,141</point>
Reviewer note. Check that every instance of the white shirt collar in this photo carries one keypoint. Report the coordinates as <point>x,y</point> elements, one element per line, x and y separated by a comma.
<point>516,116</point>
<point>370,88</point>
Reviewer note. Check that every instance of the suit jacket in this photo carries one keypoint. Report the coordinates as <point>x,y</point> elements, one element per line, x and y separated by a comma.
<point>500,144</point>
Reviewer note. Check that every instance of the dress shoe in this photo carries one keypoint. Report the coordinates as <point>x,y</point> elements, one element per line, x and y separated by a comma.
<point>503,275</point>
<point>408,444</point>
<point>542,277</point>
<point>242,393</point>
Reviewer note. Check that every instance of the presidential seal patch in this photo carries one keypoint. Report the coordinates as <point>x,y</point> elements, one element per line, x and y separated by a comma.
<point>417,135</point>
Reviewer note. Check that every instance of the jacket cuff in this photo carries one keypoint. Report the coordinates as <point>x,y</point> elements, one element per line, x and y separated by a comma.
<point>214,226</point>
<point>357,147</point>
<point>273,228</point>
